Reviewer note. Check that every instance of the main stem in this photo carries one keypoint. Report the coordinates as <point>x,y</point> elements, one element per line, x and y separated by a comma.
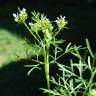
<point>46,57</point>
<point>46,65</point>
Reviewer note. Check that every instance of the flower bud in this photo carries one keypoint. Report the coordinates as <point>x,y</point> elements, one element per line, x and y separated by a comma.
<point>48,36</point>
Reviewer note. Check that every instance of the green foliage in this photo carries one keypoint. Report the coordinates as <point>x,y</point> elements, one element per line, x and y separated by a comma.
<point>72,81</point>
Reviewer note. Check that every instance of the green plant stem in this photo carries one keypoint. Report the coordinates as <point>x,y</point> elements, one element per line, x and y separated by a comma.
<point>92,76</point>
<point>46,57</point>
<point>46,65</point>
<point>91,79</point>
<point>56,33</point>
<point>58,57</point>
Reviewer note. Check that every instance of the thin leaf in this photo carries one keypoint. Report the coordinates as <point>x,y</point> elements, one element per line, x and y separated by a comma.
<point>89,48</point>
<point>33,67</point>
<point>50,91</point>
<point>89,62</point>
<point>67,48</point>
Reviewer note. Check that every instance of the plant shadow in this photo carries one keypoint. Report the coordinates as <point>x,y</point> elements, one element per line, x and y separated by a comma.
<point>14,80</point>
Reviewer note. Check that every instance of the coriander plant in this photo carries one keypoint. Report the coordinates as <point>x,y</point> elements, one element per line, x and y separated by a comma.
<point>44,32</point>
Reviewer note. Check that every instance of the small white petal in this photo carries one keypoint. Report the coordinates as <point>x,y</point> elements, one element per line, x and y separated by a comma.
<point>30,23</point>
<point>64,17</point>
<point>23,9</point>
<point>14,15</point>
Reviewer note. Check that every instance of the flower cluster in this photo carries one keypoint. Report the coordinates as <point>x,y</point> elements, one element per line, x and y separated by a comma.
<point>21,16</point>
<point>44,25</point>
<point>61,22</point>
<point>34,27</point>
<point>40,23</point>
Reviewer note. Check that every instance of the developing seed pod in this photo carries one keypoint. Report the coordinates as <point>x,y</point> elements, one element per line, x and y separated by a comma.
<point>48,36</point>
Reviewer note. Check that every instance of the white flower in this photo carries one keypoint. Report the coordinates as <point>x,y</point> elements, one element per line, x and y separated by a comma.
<point>61,22</point>
<point>21,16</point>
